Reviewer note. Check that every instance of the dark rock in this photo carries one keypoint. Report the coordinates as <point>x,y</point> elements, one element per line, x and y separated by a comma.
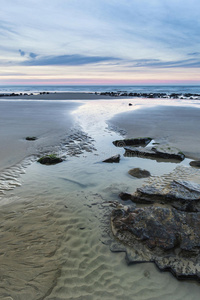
<point>31,138</point>
<point>183,195</point>
<point>163,152</point>
<point>125,196</point>
<point>165,236</point>
<point>51,159</point>
<point>139,173</point>
<point>113,159</point>
<point>195,163</point>
<point>141,141</point>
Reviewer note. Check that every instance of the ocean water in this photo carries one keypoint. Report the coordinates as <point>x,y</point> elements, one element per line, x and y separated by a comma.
<point>101,88</point>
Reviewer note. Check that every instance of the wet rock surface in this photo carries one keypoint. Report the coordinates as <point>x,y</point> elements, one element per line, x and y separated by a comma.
<point>113,159</point>
<point>31,138</point>
<point>156,152</point>
<point>166,230</point>
<point>183,195</point>
<point>168,237</point>
<point>50,160</point>
<point>139,173</point>
<point>195,163</point>
<point>141,141</point>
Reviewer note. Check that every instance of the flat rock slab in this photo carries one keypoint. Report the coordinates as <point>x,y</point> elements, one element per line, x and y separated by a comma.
<point>181,194</point>
<point>140,141</point>
<point>139,173</point>
<point>165,236</point>
<point>163,152</point>
<point>113,159</point>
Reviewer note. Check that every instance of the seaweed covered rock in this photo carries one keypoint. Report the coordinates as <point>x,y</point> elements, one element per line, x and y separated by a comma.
<point>51,159</point>
<point>163,235</point>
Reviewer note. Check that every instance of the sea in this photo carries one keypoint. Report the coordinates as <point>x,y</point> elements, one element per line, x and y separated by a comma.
<point>193,89</point>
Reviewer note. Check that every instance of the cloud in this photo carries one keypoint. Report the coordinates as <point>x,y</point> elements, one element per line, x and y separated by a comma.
<point>156,63</point>
<point>194,54</point>
<point>22,53</point>
<point>32,55</point>
<point>69,60</point>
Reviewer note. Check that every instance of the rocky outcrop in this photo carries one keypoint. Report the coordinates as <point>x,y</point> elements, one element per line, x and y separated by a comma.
<point>156,152</point>
<point>113,159</point>
<point>163,235</point>
<point>180,194</point>
<point>151,95</point>
<point>140,141</point>
<point>139,173</point>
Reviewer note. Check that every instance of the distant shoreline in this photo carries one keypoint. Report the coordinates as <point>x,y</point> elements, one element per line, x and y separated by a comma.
<point>97,95</point>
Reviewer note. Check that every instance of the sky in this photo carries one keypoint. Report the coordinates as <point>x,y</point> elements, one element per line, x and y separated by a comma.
<point>99,42</point>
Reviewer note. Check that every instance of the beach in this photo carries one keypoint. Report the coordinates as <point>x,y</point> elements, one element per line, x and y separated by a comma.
<point>55,220</point>
<point>176,125</point>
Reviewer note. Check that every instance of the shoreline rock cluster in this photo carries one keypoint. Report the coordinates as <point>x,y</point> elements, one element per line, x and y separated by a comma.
<point>150,95</point>
<point>162,225</point>
<point>23,94</point>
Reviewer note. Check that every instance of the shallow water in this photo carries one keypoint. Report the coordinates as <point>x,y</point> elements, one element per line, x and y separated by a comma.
<point>55,236</point>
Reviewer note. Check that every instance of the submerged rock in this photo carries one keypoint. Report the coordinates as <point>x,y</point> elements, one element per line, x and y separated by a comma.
<point>139,173</point>
<point>51,159</point>
<point>141,141</point>
<point>165,236</point>
<point>163,152</point>
<point>113,159</point>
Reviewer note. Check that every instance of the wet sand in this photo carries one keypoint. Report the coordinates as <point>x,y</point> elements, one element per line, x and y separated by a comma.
<point>19,119</point>
<point>55,230</point>
<point>62,96</point>
<point>177,125</point>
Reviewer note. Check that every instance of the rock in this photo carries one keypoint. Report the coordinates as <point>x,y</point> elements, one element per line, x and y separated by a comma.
<point>113,159</point>
<point>165,236</point>
<point>130,104</point>
<point>183,195</point>
<point>163,152</point>
<point>51,159</point>
<point>195,163</point>
<point>139,173</point>
<point>143,141</point>
<point>125,196</point>
<point>31,138</point>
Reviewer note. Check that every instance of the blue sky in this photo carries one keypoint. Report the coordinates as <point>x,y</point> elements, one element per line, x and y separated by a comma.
<point>99,41</point>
